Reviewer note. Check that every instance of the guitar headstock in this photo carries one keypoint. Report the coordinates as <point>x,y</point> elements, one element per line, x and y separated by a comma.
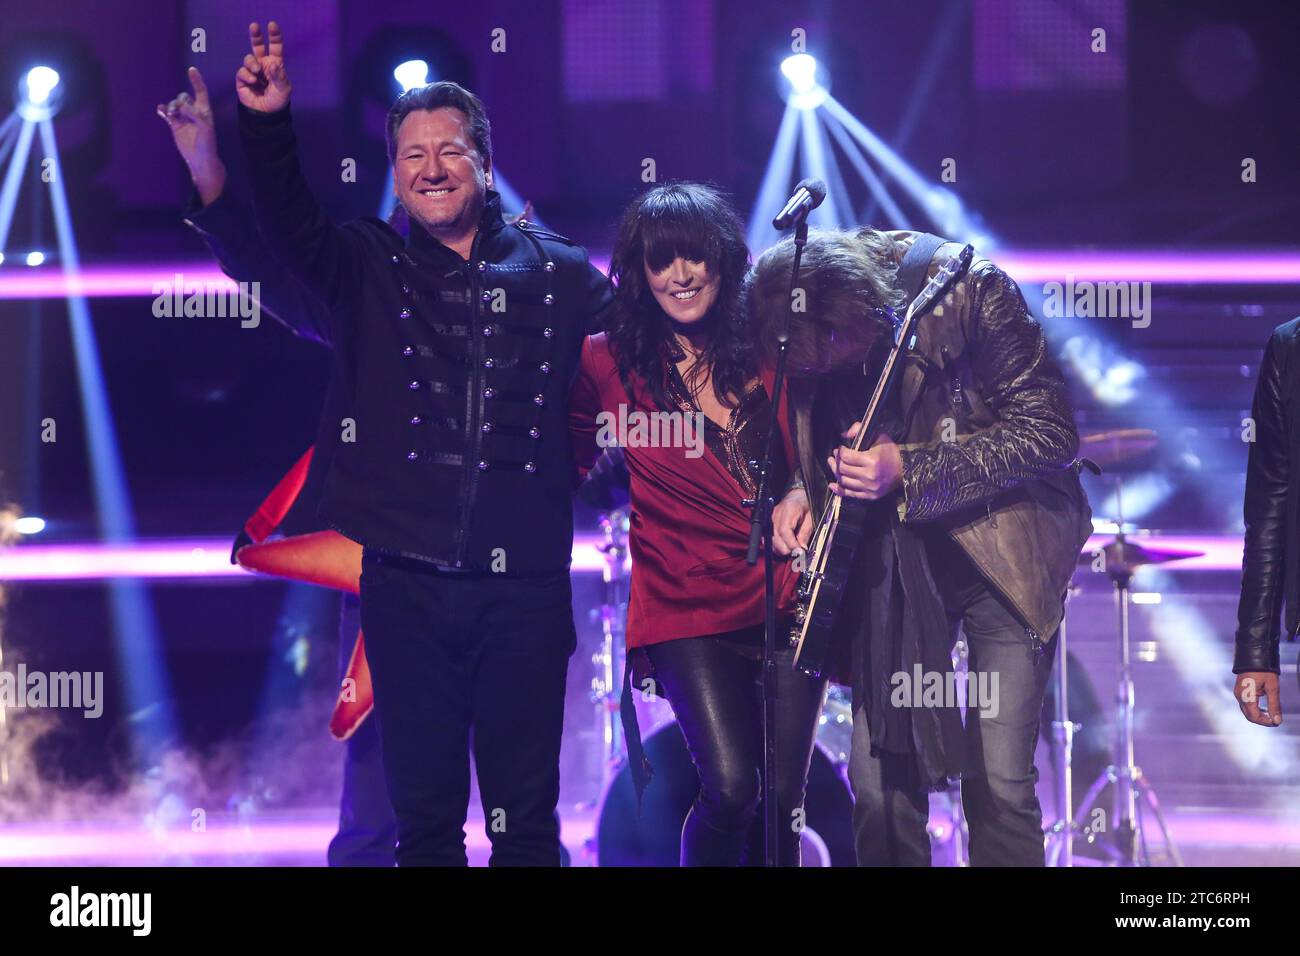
<point>942,281</point>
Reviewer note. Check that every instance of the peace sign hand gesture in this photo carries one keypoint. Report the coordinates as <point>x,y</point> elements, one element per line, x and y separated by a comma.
<point>262,83</point>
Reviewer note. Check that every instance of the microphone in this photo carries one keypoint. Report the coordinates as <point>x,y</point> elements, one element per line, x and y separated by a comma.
<point>808,195</point>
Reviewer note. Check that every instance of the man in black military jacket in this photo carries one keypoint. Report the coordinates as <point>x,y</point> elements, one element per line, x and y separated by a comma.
<point>1270,566</point>
<point>455,471</point>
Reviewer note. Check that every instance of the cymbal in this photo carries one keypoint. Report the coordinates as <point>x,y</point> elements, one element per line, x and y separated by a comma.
<point>1124,555</point>
<point>1117,445</point>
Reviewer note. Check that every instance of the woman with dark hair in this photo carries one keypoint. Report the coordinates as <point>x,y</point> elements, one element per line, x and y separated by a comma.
<point>675,384</point>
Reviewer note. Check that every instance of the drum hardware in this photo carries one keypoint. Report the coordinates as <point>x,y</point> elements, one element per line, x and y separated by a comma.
<point>654,838</point>
<point>1118,446</point>
<point>953,831</point>
<point>1062,831</point>
<point>606,685</point>
<point>1123,839</point>
<point>607,660</point>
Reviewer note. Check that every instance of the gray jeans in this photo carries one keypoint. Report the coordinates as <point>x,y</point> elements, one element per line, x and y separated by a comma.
<point>1001,806</point>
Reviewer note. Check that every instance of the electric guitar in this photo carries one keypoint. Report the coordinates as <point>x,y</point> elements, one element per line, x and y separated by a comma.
<point>834,541</point>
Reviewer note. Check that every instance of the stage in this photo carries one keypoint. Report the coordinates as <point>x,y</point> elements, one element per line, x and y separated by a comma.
<point>1126,169</point>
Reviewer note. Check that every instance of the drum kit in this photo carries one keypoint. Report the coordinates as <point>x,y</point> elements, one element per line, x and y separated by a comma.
<point>625,838</point>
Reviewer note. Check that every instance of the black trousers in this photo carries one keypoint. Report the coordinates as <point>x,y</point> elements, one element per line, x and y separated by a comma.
<point>1005,820</point>
<point>716,692</point>
<point>465,661</point>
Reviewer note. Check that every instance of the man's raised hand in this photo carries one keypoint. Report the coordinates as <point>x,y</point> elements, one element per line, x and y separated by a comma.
<point>190,120</point>
<point>261,82</point>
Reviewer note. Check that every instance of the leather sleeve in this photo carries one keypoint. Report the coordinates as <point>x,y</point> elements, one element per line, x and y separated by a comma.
<point>1034,434</point>
<point>1263,558</point>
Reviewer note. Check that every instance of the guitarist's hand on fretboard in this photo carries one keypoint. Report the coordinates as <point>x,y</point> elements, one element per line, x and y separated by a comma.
<point>870,474</point>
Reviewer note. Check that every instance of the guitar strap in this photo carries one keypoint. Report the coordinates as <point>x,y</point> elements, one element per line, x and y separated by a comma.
<point>913,272</point>
<point>915,267</point>
<point>909,612</point>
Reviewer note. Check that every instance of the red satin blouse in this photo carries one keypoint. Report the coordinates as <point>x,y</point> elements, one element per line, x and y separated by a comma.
<point>688,530</point>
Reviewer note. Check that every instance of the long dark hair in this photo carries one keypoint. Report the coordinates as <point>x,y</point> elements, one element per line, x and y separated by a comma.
<point>694,221</point>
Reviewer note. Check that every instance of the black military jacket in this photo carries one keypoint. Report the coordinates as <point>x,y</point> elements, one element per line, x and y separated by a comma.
<point>455,448</point>
<point>229,228</point>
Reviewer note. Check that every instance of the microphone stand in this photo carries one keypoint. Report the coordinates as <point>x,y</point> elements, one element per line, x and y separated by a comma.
<point>760,530</point>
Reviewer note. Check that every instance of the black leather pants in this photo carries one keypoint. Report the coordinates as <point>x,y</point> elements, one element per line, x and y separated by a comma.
<point>716,693</point>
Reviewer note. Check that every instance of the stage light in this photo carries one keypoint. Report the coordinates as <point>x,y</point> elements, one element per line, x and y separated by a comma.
<point>801,71</point>
<point>946,212</point>
<point>35,258</point>
<point>39,94</point>
<point>806,93</point>
<point>1112,379</point>
<point>136,636</point>
<point>411,74</point>
<point>41,81</point>
<point>1135,499</point>
<point>29,525</point>
<point>2,258</point>
<point>820,163</point>
<point>775,187</point>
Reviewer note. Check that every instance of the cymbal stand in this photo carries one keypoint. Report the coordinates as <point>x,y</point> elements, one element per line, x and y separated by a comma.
<point>1062,831</point>
<point>606,684</point>
<point>1124,839</point>
<point>956,835</point>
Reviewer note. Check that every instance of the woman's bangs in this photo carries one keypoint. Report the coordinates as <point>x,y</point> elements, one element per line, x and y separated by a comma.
<point>676,226</point>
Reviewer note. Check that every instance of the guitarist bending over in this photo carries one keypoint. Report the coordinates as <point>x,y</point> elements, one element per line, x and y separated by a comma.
<point>980,523</point>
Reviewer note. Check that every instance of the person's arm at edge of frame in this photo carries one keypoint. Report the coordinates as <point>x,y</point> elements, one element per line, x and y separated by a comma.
<point>1256,661</point>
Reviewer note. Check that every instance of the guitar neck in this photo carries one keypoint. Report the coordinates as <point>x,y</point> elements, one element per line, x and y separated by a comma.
<point>868,427</point>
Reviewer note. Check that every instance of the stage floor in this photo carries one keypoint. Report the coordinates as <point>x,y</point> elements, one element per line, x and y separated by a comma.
<point>299,839</point>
